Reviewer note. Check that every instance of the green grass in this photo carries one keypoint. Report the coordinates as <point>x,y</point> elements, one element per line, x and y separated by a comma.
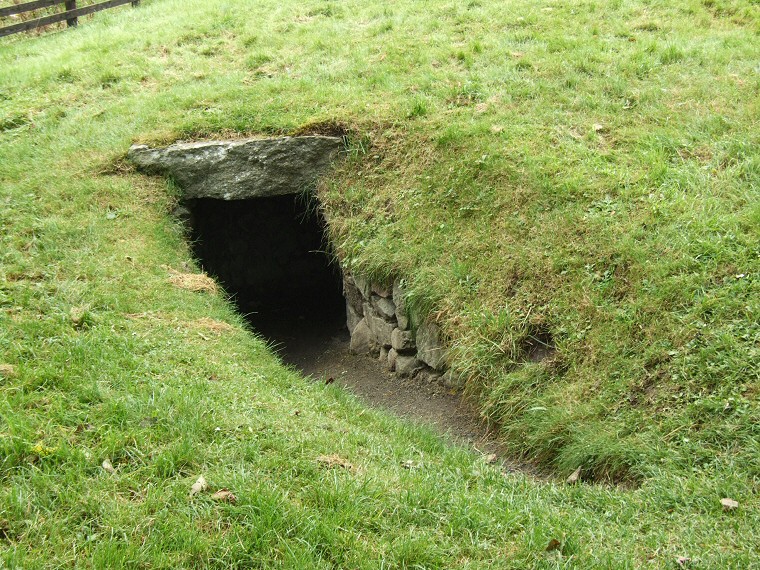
<point>587,172</point>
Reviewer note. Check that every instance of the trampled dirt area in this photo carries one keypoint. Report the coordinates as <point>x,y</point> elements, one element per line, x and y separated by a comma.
<point>318,347</point>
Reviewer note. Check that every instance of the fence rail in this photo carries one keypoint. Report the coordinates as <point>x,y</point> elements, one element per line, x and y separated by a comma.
<point>71,13</point>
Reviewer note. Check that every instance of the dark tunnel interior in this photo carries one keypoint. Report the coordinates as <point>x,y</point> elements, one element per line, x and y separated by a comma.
<point>270,255</point>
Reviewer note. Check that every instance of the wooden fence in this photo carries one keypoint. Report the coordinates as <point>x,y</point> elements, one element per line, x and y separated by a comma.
<point>71,13</point>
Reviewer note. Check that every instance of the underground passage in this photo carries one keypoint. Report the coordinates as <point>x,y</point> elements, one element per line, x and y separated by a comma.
<point>270,255</point>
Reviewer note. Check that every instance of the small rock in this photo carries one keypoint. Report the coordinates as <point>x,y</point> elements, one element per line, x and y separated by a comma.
<point>362,339</point>
<point>729,504</point>
<point>392,357</point>
<point>384,307</point>
<point>574,477</point>
<point>402,340</point>
<point>429,375</point>
<point>407,366</point>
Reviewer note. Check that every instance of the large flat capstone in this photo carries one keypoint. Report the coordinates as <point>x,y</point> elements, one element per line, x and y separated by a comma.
<point>241,169</point>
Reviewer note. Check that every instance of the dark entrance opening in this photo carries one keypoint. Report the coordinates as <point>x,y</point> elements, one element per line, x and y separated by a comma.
<point>270,255</point>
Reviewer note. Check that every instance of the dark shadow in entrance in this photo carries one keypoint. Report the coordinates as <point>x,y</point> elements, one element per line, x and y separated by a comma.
<point>270,256</point>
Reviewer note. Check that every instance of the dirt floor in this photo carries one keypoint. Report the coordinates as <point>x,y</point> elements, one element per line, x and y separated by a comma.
<point>319,348</point>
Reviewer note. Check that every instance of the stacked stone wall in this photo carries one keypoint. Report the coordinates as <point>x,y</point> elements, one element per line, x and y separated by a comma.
<point>379,323</point>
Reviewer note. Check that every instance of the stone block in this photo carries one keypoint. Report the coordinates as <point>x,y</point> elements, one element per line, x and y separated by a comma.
<point>362,339</point>
<point>399,299</point>
<point>241,169</point>
<point>381,328</point>
<point>430,347</point>
<point>407,366</point>
<point>353,295</point>
<point>384,307</point>
<point>363,286</point>
<point>402,341</point>
<point>352,318</point>
<point>381,290</point>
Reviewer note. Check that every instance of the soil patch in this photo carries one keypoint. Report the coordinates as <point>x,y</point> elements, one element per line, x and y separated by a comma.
<point>318,346</point>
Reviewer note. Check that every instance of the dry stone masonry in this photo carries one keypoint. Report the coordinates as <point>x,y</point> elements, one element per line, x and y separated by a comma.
<point>377,318</point>
<point>237,194</point>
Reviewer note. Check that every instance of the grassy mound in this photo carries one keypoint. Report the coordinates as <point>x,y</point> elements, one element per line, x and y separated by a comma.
<point>584,176</point>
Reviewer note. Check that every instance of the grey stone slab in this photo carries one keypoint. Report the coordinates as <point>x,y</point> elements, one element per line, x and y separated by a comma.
<point>242,169</point>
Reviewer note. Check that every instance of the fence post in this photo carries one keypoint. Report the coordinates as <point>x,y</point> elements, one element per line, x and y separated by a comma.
<point>71,5</point>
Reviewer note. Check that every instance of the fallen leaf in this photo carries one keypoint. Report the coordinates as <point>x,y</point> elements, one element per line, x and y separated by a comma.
<point>334,460</point>
<point>199,486</point>
<point>490,458</point>
<point>729,504</point>
<point>108,466</point>
<point>7,371</point>
<point>554,544</point>
<point>574,477</point>
<point>224,496</point>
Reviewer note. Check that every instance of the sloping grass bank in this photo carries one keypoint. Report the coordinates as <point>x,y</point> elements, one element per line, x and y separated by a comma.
<point>584,173</point>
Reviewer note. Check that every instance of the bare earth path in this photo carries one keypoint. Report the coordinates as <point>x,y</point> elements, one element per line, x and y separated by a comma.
<point>320,349</point>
